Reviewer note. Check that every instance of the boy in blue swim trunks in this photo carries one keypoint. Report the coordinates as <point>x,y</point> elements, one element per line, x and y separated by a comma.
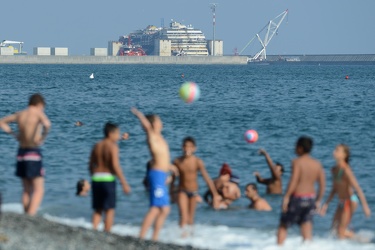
<point>157,176</point>
<point>33,127</point>
<point>104,167</point>
<point>300,199</point>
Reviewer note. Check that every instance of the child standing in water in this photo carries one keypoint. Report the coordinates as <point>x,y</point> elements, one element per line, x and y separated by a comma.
<point>157,176</point>
<point>300,199</point>
<point>104,167</point>
<point>344,182</point>
<point>188,167</point>
<point>33,127</point>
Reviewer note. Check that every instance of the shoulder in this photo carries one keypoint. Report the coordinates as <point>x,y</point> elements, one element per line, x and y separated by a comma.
<point>199,161</point>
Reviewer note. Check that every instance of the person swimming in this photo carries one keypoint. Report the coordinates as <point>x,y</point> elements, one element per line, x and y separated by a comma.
<point>83,187</point>
<point>78,124</point>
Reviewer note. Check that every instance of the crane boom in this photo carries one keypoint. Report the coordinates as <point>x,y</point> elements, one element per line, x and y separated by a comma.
<point>272,27</point>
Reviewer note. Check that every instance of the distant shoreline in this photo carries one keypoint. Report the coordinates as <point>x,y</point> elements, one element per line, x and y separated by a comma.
<point>187,60</point>
<point>24,232</point>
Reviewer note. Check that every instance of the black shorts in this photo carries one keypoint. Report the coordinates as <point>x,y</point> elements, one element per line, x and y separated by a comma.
<point>300,210</point>
<point>103,195</point>
<point>29,163</point>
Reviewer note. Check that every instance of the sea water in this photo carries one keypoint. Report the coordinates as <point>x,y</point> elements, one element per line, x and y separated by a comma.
<point>281,102</point>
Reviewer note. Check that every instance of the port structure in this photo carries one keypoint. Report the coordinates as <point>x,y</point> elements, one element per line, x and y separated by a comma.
<point>271,28</point>
<point>6,43</point>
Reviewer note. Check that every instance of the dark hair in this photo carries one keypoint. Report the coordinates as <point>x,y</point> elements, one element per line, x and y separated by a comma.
<point>109,128</point>
<point>347,152</point>
<point>36,99</point>
<point>253,185</point>
<point>281,166</point>
<point>80,185</point>
<point>151,118</point>
<point>305,143</point>
<point>189,139</point>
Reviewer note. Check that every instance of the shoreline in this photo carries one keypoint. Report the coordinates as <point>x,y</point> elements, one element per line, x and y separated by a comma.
<point>181,60</point>
<point>24,232</point>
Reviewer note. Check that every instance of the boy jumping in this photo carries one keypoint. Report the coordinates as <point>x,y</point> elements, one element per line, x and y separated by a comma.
<point>157,176</point>
<point>33,127</point>
<point>300,199</point>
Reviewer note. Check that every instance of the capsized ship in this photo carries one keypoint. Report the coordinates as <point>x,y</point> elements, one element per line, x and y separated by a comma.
<point>185,40</point>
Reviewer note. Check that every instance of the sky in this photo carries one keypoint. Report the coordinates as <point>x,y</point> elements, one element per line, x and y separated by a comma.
<point>312,27</point>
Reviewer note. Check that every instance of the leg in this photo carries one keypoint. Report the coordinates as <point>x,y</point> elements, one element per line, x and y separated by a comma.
<point>192,206</point>
<point>148,220</point>
<point>109,217</point>
<point>164,212</point>
<point>281,234</point>
<point>96,218</point>
<point>306,231</point>
<point>336,218</point>
<point>183,203</point>
<point>37,196</point>
<point>343,223</point>
<point>26,194</point>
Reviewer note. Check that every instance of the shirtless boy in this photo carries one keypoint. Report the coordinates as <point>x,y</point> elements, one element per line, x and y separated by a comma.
<point>300,199</point>
<point>33,127</point>
<point>257,202</point>
<point>274,184</point>
<point>188,167</point>
<point>104,167</point>
<point>158,174</point>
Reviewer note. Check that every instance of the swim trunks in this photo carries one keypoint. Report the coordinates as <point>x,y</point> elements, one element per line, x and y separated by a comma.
<point>300,210</point>
<point>29,163</point>
<point>159,196</point>
<point>103,191</point>
<point>189,193</point>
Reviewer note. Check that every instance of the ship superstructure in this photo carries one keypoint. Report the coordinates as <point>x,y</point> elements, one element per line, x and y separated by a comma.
<point>184,40</point>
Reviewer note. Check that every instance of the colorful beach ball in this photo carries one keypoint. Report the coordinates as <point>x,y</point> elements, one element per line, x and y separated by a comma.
<point>189,92</point>
<point>251,136</point>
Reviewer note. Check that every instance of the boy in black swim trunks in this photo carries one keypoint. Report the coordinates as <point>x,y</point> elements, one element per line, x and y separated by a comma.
<point>188,167</point>
<point>104,167</point>
<point>33,127</point>
<point>300,199</point>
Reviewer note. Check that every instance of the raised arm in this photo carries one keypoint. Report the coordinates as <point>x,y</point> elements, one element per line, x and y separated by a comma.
<point>4,124</point>
<point>117,169</point>
<point>145,123</point>
<point>353,182</point>
<point>269,163</point>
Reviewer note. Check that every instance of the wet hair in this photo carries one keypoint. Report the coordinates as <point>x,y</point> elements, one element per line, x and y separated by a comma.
<point>151,118</point>
<point>281,166</point>
<point>253,185</point>
<point>36,99</point>
<point>189,139</point>
<point>109,128</point>
<point>305,143</point>
<point>225,169</point>
<point>80,185</point>
<point>346,150</point>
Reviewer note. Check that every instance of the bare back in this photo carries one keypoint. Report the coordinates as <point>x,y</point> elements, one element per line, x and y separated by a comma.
<point>30,126</point>
<point>341,183</point>
<point>308,172</point>
<point>188,170</point>
<point>101,157</point>
<point>160,151</point>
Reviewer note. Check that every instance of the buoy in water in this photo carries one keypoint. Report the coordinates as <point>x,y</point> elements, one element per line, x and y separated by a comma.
<point>92,76</point>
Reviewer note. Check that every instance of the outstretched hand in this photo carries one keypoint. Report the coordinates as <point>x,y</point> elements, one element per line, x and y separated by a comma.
<point>126,188</point>
<point>134,111</point>
<point>256,174</point>
<point>262,151</point>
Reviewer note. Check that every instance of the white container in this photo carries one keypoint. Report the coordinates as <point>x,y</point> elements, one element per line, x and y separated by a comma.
<point>98,51</point>
<point>42,51</point>
<point>59,51</point>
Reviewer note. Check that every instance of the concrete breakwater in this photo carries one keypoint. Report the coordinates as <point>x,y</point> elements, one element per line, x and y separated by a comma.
<point>229,60</point>
<point>35,233</point>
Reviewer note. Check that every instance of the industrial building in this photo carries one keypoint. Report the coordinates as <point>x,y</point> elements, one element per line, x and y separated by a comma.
<point>98,52</point>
